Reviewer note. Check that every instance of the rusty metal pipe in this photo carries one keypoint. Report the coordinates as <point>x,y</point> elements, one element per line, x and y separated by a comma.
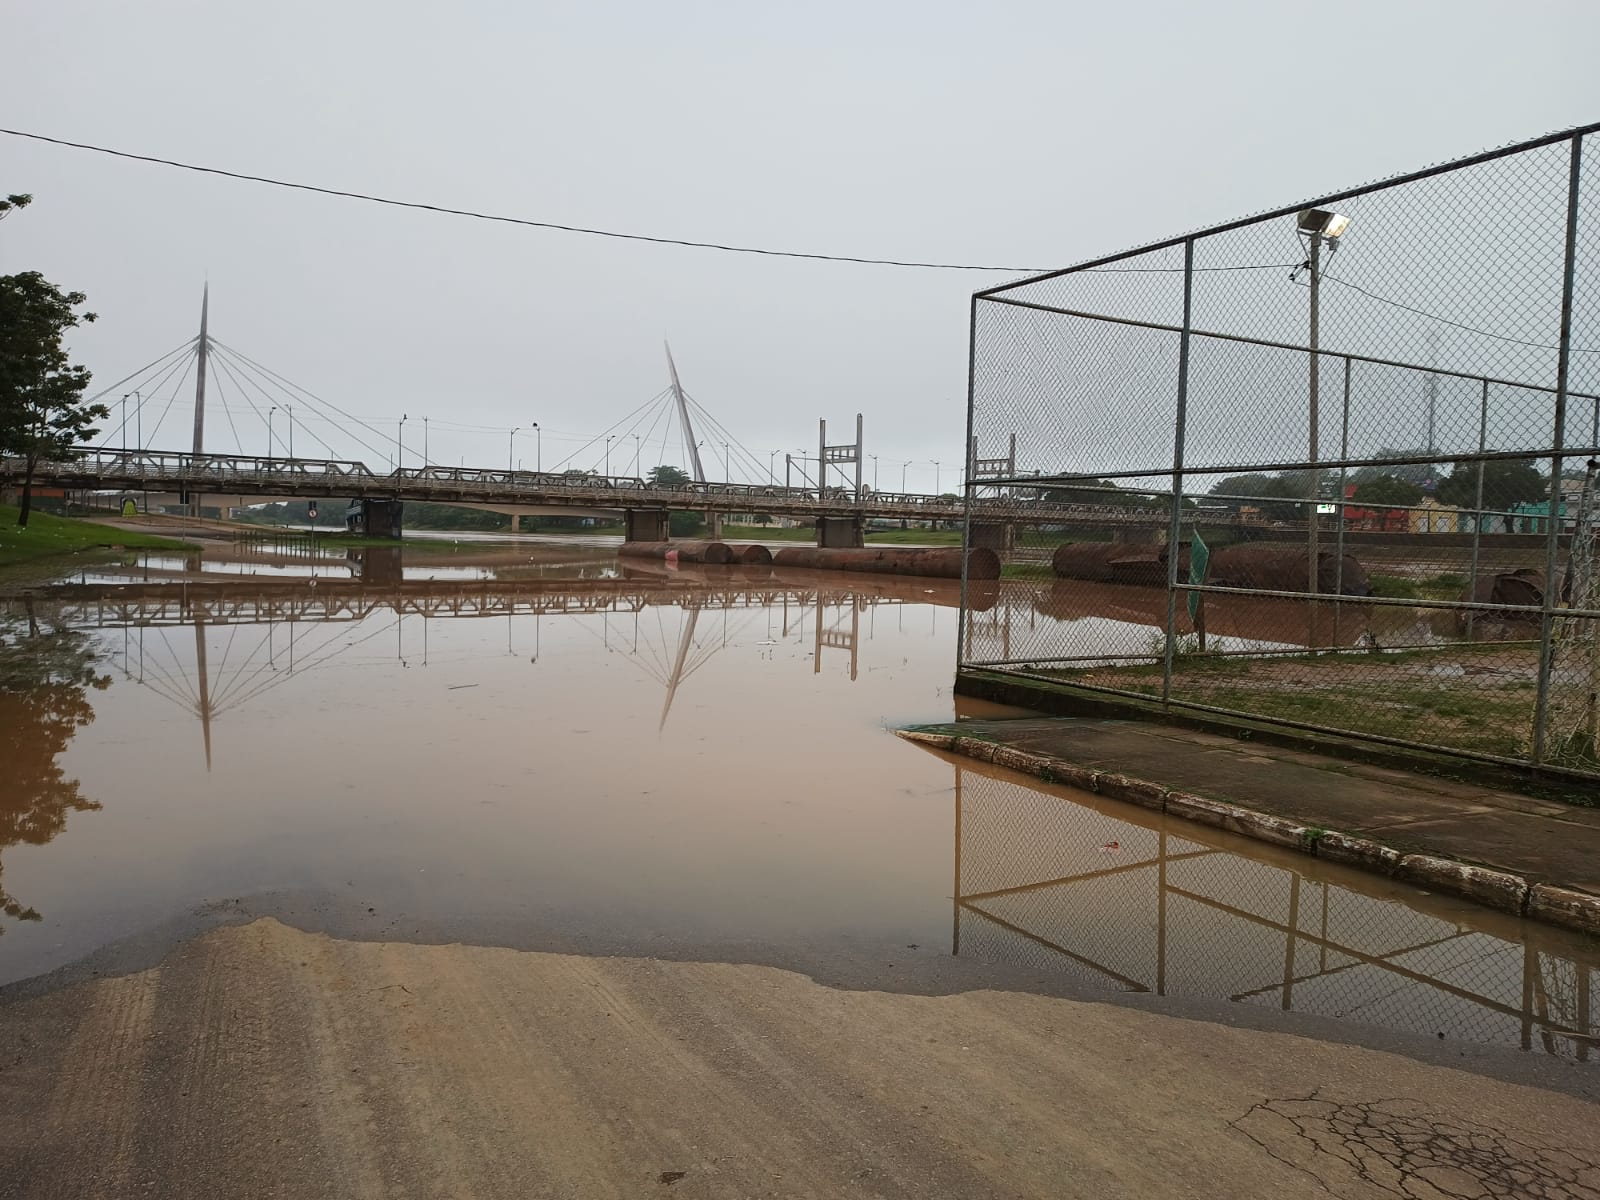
<point>935,562</point>
<point>691,552</point>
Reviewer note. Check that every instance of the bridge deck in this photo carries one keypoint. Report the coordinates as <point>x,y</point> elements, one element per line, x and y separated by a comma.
<point>245,475</point>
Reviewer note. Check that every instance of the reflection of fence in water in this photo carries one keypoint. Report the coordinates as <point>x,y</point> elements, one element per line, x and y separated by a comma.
<point>1050,884</point>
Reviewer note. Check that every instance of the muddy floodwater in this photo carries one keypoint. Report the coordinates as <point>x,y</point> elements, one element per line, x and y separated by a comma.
<point>533,746</point>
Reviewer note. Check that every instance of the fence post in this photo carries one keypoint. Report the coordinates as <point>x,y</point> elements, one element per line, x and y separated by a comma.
<point>1175,524</point>
<point>1477,506</point>
<point>1552,589</point>
<point>1344,472</point>
<point>966,492</point>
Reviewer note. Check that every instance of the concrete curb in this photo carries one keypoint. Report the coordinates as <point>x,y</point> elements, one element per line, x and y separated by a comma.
<point>1503,891</point>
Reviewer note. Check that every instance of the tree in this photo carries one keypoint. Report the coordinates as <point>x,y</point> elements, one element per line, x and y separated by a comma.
<point>42,410</point>
<point>44,678</point>
<point>668,477</point>
<point>1387,490</point>
<point>1506,482</point>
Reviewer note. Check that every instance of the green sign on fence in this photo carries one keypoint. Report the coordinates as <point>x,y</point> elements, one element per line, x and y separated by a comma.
<point>1199,559</point>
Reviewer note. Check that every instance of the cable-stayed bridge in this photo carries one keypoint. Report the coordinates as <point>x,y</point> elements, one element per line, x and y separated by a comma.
<point>670,423</point>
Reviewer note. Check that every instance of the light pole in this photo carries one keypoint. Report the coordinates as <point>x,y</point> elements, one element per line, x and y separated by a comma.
<point>638,449</point>
<point>122,434</point>
<point>270,411</point>
<point>138,417</point>
<point>424,461</point>
<point>511,448</point>
<point>903,467</point>
<point>727,472</point>
<point>771,459</point>
<point>609,436</point>
<point>936,477</point>
<point>1318,224</point>
<point>538,447</point>
<point>290,409</point>
<point>400,443</point>
<point>874,459</point>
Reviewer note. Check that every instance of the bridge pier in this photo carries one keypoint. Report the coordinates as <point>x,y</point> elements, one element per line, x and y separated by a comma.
<point>645,525</point>
<point>375,518</point>
<point>1001,537</point>
<point>841,533</point>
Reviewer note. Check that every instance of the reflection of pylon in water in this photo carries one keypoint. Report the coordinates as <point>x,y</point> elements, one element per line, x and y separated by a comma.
<point>836,638</point>
<point>1573,716</point>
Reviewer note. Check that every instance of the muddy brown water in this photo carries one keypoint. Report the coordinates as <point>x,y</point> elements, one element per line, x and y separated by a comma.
<point>541,748</point>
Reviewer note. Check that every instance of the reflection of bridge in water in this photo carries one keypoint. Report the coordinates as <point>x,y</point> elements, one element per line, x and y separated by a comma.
<point>1111,894</point>
<point>212,680</point>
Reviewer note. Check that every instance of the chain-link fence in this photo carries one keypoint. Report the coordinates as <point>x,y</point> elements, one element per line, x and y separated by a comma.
<point>1331,466</point>
<point>1065,889</point>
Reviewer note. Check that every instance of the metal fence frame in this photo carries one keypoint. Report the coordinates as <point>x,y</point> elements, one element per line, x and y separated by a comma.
<point>1571,436</point>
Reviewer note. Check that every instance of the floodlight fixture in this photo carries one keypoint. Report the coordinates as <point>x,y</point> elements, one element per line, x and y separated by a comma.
<point>1325,221</point>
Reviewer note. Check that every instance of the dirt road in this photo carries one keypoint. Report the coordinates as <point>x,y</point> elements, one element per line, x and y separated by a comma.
<point>261,1061</point>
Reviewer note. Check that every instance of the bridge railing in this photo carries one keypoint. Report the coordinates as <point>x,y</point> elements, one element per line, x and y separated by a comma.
<point>166,464</point>
<point>111,469</point>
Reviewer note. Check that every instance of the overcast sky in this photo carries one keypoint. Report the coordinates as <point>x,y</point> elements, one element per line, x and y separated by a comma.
<point>1026,134</point>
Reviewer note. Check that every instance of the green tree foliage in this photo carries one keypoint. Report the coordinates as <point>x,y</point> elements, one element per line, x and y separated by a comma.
<point>1097,491</point>
<point>685,524</point>
<point>1506,482</point>
<point>1388,490</point>
<point>1237,490</point>
<point>42,410</point>
<point>45,676</point>
<point>668,477</point>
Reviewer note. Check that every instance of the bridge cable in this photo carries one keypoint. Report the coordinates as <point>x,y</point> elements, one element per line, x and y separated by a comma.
<point>272,394</point>
<point>377,433</point>
<point>267,383</point>
<point>228,412</point>
<point>717,427</point>
<point>111,387</point>
<point>246,396</point>
<point>182,379</point>
<point>228,366</point>
<point>601,435</point>
<point>161,378</point>
<point>265,379</point>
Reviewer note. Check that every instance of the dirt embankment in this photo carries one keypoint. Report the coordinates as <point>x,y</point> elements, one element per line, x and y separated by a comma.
<point>260,1061</point>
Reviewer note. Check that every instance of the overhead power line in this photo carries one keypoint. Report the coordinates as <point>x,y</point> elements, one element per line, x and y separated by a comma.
<point>505,220</point>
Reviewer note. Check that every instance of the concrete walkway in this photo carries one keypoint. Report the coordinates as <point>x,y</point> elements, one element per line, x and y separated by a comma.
<point>1540,858</point>
<point>261,1061</point>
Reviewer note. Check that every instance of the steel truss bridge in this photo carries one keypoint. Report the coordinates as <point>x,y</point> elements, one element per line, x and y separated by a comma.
<point>174,604</point>
<point>256,478</point>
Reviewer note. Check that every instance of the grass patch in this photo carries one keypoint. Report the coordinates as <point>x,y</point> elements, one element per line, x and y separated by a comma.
<point>1026,571</point>
<point>1403,587</point>
<point>915,537</point>
<point>1478,698</point>
<point>47,536</point>
<point>768,533</point>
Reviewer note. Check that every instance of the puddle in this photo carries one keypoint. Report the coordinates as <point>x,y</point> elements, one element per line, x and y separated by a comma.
<point>539,740</point>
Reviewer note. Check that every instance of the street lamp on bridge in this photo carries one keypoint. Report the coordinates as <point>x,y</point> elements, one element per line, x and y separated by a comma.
<point>609,437</point>
<point>538,447</point>
<point>400,443</point>
<point>511,449</point>
<point>270,411</point>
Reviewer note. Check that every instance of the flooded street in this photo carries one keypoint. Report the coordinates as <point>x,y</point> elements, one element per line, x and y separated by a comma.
<point>534,747</point>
